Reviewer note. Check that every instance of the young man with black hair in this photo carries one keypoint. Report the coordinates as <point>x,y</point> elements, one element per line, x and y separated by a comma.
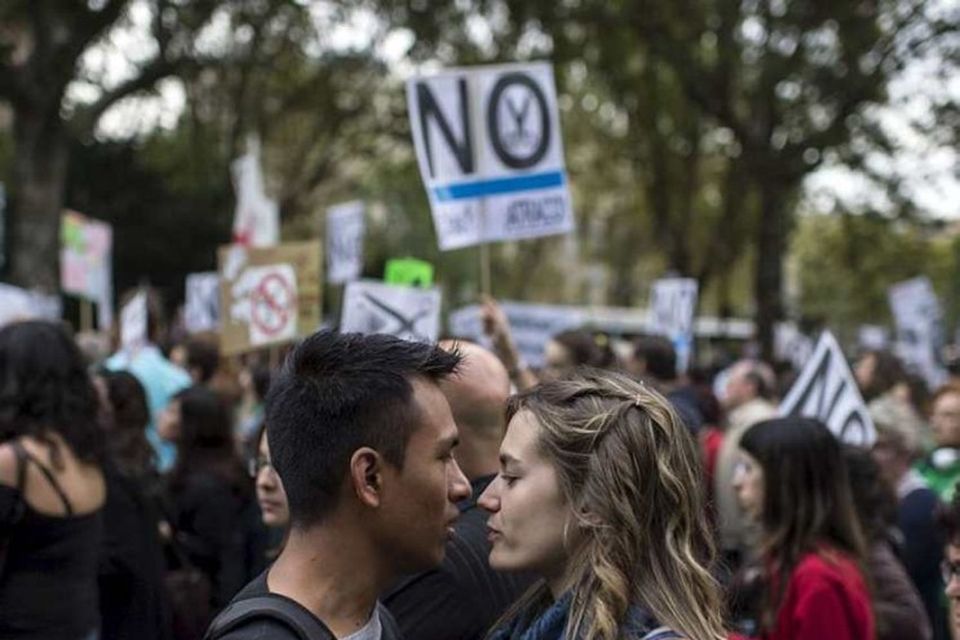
<point>362,438</point>
<point>463,597</point>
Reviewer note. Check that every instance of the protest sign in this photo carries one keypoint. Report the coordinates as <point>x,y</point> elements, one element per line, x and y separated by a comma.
<point>827,391</point>
<point>18,304</point>
<point>871,336</point>
<point>86,248</point>
<point>411,313</point>
<point>408,271</point>
<point>791,345</point>
<point>532,326</point>
<point>268,296</point>
<point>345,228</point>
<point>918,318</point>
<point>489,149</point>
<point>673,303</point>
<point>133,323</point>
<point>202,309</point>
<point>256,219</point>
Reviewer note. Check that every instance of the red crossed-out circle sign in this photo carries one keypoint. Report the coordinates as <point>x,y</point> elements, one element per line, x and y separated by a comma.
<point>272,300</point>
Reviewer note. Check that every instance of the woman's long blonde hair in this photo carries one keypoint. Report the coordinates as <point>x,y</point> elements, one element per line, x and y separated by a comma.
<point>631,472</point>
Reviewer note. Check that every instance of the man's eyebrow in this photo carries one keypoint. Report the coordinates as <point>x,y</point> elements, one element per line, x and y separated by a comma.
<point>449,442</point>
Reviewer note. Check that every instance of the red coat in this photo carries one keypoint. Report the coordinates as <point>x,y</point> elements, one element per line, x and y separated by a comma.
<point>826,599</point>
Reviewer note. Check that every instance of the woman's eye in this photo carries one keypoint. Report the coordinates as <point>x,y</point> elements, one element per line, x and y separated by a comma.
<point>507,479</point>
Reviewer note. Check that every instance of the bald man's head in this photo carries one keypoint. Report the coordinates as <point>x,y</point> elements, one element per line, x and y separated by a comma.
<point>477,393</point>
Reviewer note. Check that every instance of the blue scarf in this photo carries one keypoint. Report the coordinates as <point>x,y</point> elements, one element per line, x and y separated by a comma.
<point>551,623</point>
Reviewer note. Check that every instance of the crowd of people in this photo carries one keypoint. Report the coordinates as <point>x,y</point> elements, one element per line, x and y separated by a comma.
<point>368,487</point>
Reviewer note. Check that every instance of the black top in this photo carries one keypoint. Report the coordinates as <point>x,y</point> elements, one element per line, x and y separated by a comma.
<point>212,522</point>
<point>133,602</point>
<point>463,597</point>
<point>48,577</point>
<point>266,628</point>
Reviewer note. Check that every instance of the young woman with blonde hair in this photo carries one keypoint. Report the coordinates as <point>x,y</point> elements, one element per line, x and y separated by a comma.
<point>600,494</point>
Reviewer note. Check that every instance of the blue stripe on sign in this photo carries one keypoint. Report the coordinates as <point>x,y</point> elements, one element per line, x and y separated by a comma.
<point>464,190</point>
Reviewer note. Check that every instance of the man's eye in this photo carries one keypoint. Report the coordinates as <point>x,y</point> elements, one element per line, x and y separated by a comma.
<point>508,479</point>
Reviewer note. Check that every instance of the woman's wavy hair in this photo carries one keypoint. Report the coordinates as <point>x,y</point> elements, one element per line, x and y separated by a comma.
<point>45,389</point>
<point>631,473</point>
<point>808,501</point>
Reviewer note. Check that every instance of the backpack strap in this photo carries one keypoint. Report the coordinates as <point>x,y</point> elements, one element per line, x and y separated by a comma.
<point>269,607</point>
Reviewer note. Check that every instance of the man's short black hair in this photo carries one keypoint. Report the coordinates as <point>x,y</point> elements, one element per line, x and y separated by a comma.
<point>659,357</point>
<point>335,394</point>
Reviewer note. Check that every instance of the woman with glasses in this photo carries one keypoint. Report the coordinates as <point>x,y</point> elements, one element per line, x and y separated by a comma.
<point>270,496</point>
<point>792,479</point>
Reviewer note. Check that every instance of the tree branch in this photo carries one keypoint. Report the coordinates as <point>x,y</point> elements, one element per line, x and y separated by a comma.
<point>86,119</point>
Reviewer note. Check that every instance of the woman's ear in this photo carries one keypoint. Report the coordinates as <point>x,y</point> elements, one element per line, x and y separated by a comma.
<point>366,476</point>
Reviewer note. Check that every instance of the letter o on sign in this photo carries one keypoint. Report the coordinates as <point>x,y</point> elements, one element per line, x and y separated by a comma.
<point>507,155</point>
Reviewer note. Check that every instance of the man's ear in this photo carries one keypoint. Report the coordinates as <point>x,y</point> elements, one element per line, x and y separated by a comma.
<point>366,475</point>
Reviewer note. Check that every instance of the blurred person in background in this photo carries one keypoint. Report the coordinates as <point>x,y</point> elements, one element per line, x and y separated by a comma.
<point>877,372</point>
<point>792,479</point>
<point>747,399</point>
<point>897,607</point>
<point>949,521</point>
<point>161,379</point>
<point>941,469</point>
<point>896,450</point>
<point>52,488</point>
<point>133,603</point>
<point>209,494</point>
<point>655,362</point>
<point>274,510</point>
<point>254,382</point>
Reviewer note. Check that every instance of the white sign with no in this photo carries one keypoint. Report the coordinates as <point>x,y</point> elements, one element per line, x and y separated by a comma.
<point>827,391</point>
<point>490,153</point>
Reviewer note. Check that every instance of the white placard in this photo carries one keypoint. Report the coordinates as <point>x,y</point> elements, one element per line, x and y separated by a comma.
<point>827,391</point>
<point>490,153</point>
<point>345,228</point>
<point>411,313</point>
<point>19,304</point>
<point>531,325</point>
<point>256,220</point>
<point>790,345</point>
<point>673,303</point>
<point>202,308</point>
<point>272,303</point>
<point>133,322</point>
<point>917,314</point>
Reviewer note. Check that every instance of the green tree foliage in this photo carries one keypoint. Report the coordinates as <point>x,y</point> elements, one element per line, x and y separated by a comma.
<point>846,263</point>
<point>730,105</point>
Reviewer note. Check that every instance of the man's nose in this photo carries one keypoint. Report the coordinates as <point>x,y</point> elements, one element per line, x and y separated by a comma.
<point>460,486</point>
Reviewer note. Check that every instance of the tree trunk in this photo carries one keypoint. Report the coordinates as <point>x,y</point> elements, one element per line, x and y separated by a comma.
<point>39,177</point>
<point>771,243</point>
